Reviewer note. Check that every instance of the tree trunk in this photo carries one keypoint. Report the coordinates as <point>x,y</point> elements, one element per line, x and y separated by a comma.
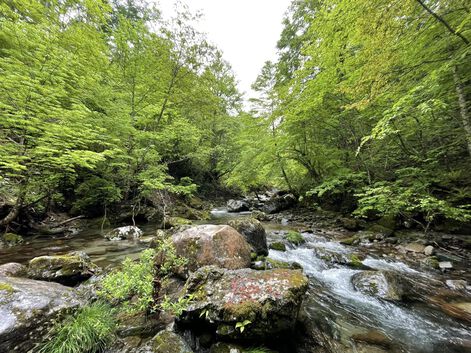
<point>464,109</point>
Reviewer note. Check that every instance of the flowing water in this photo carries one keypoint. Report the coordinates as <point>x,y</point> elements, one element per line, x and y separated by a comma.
<point>332,304</point>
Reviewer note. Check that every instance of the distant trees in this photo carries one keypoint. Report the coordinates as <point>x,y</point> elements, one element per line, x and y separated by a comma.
<point>372,97</point>
<point>99,99</point>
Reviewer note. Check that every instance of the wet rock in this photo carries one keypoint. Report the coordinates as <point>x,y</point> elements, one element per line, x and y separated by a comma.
<point>429,250</point>
<point>415,247</point>
<point>121,233</point>
<point>272,264</point>
<point>382,284</point>
<point>459,310</point>
<point>28,308</point>
<point>456,284</point>
<point>141,324</point>
<point>430,262</point>
<point>278,245</point>
<point>253,232</point>
<point>13,269</point>
<point>265,303</point>
<point>237,206</point>
<point>69,269</point>
<point>168,342</point>
<point>219,245</point>
<point>373,337</point>
<point>11,239</point>
<point>279,203</point>
<point>445,265</point>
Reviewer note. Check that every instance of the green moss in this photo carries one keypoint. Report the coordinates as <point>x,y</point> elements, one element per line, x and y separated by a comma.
<point>355,261</point>
<point>294,237</point>
<point>349,241</point>
<point>6,287</point>
<point>278,245</point>
<point>246,310</point>
<point>12,238</point>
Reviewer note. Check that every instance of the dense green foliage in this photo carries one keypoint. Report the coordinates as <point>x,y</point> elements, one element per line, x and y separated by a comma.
<point>89,330</point>
<point>367,108</point>
<point>104,102</point>
<point>369,102</point>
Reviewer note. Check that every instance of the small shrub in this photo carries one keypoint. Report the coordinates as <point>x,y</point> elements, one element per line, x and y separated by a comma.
<point>89,330</point>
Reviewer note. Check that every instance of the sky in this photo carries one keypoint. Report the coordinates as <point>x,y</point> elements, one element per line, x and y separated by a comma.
<point>245,30</point>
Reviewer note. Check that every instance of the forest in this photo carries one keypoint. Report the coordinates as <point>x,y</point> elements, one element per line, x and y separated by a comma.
<point>112,114</point>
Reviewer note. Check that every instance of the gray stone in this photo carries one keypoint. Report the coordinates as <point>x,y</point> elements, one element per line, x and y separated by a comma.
<point>13,269</point>
<point>28,308</point>
<point>445,265</point>
<point>237,206</point>
<point>457,284</point>
<point>415,247</point>
<point>264,302</point>
<point>429,250</point>
<point>70,268</point>
<point>253,231</point>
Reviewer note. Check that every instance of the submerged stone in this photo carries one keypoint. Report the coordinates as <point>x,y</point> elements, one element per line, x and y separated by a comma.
<point>381,284</point>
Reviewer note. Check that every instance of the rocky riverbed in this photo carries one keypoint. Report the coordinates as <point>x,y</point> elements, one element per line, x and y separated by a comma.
<point>366,291</point>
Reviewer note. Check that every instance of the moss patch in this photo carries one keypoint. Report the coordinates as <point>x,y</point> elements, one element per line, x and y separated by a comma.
<point>6,287</point>
<point>278,245</point>
<point>294,237</point>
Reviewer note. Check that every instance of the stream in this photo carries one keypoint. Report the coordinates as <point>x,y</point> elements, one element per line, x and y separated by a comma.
<point>332,303</point>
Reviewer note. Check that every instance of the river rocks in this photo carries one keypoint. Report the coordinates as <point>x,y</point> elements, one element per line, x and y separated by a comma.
<point>350,223</point>
<point>445,265</point>
<point>253,232</point>
<point>69,269</point>
<point>237,206</point>
<point>381,284</point>
<point>121,233</point>
<point>13,269</point>
<point>415,248</point>
<point>429,250</point>
<point>27,308</point>
<point>279,203</point>
<point>168,342</point>
<point>260,216</point>
<point>219,245</point>
<point>264,303</point>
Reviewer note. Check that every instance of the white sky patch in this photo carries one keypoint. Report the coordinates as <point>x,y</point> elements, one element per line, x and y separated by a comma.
<point>245,30</point>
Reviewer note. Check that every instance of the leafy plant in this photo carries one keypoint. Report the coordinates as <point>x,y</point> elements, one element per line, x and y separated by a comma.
<point>133,281</point>
<point>89,330</point>
<point>241,325</point>
<point>176,307</point>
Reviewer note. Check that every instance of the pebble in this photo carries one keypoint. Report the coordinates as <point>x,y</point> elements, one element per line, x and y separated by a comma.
<point>429,250</point>
<point>444,265</point>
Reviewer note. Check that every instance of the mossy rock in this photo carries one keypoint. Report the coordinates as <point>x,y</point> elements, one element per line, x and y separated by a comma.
<point>353,240</point>
<point>12,239</point>
<point>169,342</point>
<point>271,263</point>
<point>295,238</point>
<point>278,245</point>
<point>379,229</point>
<point>5,287</point>
<point>174,222</point>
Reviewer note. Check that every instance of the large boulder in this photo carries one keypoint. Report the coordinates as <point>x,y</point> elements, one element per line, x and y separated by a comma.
<point>121,233</point>
<point>245,303</point>
<point>168,342</point>
<point>253,232</point>
<point>382,284</point>
<point>279,203</point>
<point>69,269</point>
<point>237,206</point>
<point>219,245</point>
<point>28,308</point>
